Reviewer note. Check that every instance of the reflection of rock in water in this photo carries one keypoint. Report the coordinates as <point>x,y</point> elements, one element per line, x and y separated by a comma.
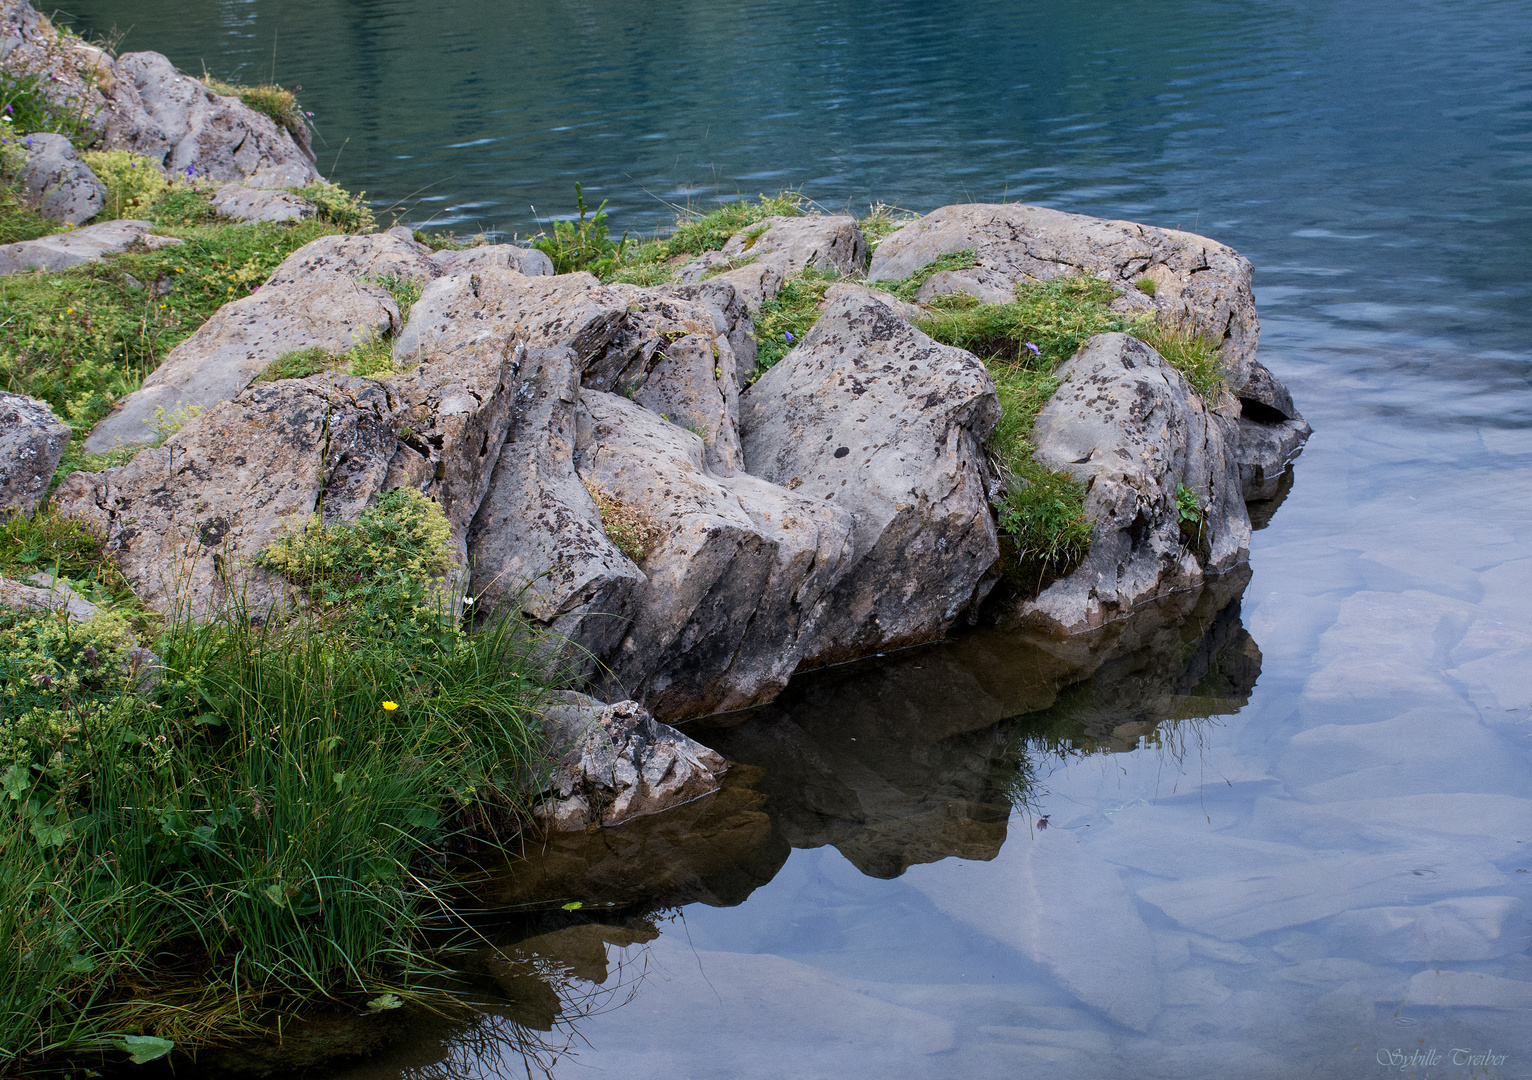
<point>904,759</point>
<point>716,850</point>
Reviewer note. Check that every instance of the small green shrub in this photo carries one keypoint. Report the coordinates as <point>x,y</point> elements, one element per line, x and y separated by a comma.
<point>1145,285</point>
<point>134,183</point>
<point>583,244</point>
<point>786,318</point>
<point>339,207</point>
<point>405,291</point>
<point>695,233</point>
<point>299,364</point>
<point>370,359</point>
<point>1049,319</point>
<point>1191,515</point>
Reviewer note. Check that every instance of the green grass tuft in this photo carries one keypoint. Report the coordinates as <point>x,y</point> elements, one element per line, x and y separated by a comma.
<point>337,206</point>
<point>1188,351</point>
<point>955,260</point>
<point>794,310</point>
<point>279,104</point>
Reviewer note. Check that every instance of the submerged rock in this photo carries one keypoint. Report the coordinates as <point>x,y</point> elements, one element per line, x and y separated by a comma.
<point>32,442</point>
<point>616,762</point>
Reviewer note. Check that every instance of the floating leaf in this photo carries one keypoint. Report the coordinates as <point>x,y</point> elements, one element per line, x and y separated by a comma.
<point>384,1002</point>
<point>573,905</point>
<point>142,1049</point>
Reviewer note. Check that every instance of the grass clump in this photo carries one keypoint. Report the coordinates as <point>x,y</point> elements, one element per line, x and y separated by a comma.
<point>786,318</point>
<point>265,827</point>
<point>583,244</point>
<point>955,260</point>
<point>272,100</point>
<point>1049,319</point>
<point>1189,351</point>
<point>369,359</point>
<point>632,530</point>
<point>25,109</point>
<point>134,183</point>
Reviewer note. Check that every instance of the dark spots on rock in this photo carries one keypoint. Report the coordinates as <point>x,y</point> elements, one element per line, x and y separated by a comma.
<point>842,451</point>
<point>210,533</point>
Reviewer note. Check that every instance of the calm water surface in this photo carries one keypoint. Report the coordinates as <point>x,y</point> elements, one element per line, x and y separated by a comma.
<point>1287,832</point>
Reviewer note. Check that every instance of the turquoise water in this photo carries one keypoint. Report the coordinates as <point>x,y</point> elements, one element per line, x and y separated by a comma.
<point>1287,832</point>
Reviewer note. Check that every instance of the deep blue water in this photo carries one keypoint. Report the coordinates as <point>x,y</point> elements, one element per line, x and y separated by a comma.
<point>1332,873</point>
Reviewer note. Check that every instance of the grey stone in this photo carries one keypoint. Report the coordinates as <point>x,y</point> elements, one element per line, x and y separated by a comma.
<point>527,261</point>
<point>288,174</point>
<point>570,309</point>
<point>372,256</point>
<point>616,763</point>
<point>872,416</point>
<point>739,575</point>
<point>987,286</point>
<point>537,544</point>
<point>320,308</point>
<point>57,184</point>
<point>907,312</point>
<point>46,594</point>
<point>32,442</point>
<point>754,283</point>
<point>72,75</point>
<point>731,318</point>
<point>1130,428</point>
<point>90,244</point>
<point>1199,283</point>
<point>1263,451</point>
<point>1470,990</point>
<point>1460,928</point>
<point>242,203</point>
<point>831,242</point>
<point>157,111</point>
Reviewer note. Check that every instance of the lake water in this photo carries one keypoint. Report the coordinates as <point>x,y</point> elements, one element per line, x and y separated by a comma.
<point>1288,830</point>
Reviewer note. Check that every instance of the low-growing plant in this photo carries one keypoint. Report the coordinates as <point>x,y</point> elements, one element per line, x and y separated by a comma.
<point>1191,515</point>
<point>62,547</point>
<point>629,527</point>
<point>26,109</point>
<point>370,359</point>
<point>883,220</point>
<point>347,212</point>
<point>1049,319</point>
<point>134,183</point>
<point>165,423</point>
<point>954,260</point>
<point>784,320</point>
<point>695,233</point>
<point>1044,531</point>
<point>1145,285</point>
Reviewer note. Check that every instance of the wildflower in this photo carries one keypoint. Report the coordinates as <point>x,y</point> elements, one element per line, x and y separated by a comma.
<point>788,334</point>
<point>1035,350</point>
<point>467,601</point>
<point>10,109</point>
<point>191,170</point>
<point>390,706</point>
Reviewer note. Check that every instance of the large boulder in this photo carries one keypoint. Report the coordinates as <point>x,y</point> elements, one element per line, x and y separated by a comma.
<point>321,309</point>
<point>57,184</point>
<point>1130,428</point>
<point>1196,283</point>
<point>32,442</point>
<point>616,763</point>
<point>739,573</point>
<point>871,416</point>
<point>173,118</point>
<point>90,244</point>
<point>375,255</point>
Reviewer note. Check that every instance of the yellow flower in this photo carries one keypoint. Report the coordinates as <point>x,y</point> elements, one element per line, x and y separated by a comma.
<point>390,706</point>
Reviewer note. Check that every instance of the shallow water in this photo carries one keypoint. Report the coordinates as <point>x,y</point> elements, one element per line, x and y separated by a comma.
<point>1287,837</point>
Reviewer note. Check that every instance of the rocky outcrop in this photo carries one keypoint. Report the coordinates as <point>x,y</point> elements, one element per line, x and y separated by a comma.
<point>616,763</point>
<point>57,184</point>
<point>241,203</point>
<point>1131,429</point>
<point>90,244</point>
<point>872,416</point>
<point>1196,282</point>
<point>1271,433</point>
<point>32,442</point>
<point>737,575</point>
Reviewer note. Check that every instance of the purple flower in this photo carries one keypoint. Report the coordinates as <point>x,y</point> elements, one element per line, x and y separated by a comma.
<point>191,170</point>
<point>1035,350</point>
<point>10,108</point>
<point>788,334</point>
<point>29,140</point>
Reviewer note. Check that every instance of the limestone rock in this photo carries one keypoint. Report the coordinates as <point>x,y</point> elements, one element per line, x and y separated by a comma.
<point>1198,282</point>
<point>46,594</point>
<point>72,75</point>
<point>527,261</point>
<point>320,309</point>
<point>757,259</point>
<point>755,283</point>
<point>375,255</point>
<point>90,244</point>
<point>32,441</point>
<point>1263,450</point>
<point>570,309</point>
<point>57,184</point>
<point>740,573</point>
<point>537,542</point>
<point>871,415</point>
<point>907,312</point>
<point>176,120</point>
<point>616,763</point>
<point>987,287</point>
<point>183,520</point>
<point>731,317</point>
<point>242,203</point>
<point>288,174</point>
<point>1131,429</point>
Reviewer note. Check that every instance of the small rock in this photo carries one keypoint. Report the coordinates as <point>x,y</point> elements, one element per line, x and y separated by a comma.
<point>32,442</point>
<point>616,763</point>
<point>90,244</point>
<point>372,256</point>
<point>46,594</point>
<point>986,286</point>
<point>242,203</point>
<point>289,174</point>
<point>57,184</point>
<point>527,261</point>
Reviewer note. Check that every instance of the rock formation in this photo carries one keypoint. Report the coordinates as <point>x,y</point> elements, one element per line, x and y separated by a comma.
<point>32,442</point>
